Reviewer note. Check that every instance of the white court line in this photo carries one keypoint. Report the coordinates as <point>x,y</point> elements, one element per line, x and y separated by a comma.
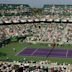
<point>34,51</point>
<point>20,51</point>
<point>66,53</point>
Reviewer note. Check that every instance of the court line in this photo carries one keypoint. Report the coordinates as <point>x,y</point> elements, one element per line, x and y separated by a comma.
<point>34,51</point>
<point>20,51</point>
<point>66,53</point>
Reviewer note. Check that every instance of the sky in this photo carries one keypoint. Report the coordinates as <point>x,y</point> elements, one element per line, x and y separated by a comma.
<point>37,3</point>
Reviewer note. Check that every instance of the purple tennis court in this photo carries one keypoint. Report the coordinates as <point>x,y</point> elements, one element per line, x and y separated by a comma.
<point>55,52</point>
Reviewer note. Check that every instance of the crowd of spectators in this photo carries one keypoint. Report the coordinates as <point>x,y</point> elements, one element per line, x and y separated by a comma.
<point>58,11</point>
<point>69,33</point>
<point>14,9</point>
<point>19,12</point>
<point>39,32</point>
<point>34,66</point>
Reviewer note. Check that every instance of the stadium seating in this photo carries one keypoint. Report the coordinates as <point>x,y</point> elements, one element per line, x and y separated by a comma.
<point>30,66</point>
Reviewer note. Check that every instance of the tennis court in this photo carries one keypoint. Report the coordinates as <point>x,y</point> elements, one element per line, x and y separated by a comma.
<point>49,52</point>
